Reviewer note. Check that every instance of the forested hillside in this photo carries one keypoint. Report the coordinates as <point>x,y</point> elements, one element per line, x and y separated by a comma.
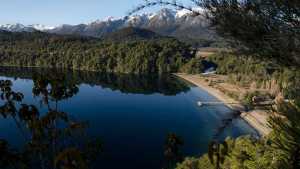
<point>37,49</point>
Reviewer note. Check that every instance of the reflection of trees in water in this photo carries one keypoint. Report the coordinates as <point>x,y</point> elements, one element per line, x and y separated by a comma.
<point>52,139</point>
<point>140,84</point>
<point>126,83</point>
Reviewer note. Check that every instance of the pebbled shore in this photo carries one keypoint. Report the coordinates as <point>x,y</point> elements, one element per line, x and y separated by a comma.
<point>257,119</point>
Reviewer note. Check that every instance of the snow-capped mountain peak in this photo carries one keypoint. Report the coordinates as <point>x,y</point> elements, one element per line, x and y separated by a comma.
<point>166,14</point>
<point>41,27</point>
<point>12,26</point>
<point>163,15</point>
<point>165,22</point>
<point>182,13</point>
<point>111,19</point>
<point>22,28</point>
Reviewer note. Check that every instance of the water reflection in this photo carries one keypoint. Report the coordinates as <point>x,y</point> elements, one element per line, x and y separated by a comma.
<point>126,83</point>
<point>132,132</point>
<point>52,139</point>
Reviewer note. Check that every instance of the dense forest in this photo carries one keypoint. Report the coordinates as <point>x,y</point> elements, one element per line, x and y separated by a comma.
<point>251,72</point>
<point>37,49</point>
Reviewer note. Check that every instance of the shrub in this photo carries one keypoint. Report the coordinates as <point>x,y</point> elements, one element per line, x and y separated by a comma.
<point>194,66</point>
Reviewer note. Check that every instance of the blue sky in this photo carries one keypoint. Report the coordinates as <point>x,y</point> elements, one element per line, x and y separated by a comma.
<point>56,12</point>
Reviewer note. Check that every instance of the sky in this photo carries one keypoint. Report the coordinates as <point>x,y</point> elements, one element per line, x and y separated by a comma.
<point>57,12</point>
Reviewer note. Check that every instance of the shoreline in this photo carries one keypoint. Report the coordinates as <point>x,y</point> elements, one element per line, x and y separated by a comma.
<point>256,119</point>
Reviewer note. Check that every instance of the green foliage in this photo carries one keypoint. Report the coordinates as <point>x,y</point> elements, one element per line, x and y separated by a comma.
<point>217,153</point>
<point>163,55</point>
<point>286,128</point>
<point>131,34</point>
<point>246,68</point>
<point>243,153</point>
<point>248,99</point>
<point>267,28</point>
<point>194,66</point>
<point>196,163</point>
<point>244,71</point>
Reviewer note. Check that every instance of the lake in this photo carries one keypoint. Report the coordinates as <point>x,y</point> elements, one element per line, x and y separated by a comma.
<point>131,115</point>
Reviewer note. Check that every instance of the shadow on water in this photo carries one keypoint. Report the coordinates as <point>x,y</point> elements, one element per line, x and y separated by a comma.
<point>125,83</point>
<point>54,140</point>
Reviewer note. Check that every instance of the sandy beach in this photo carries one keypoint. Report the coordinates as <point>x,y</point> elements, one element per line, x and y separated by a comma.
<point>256,118</point>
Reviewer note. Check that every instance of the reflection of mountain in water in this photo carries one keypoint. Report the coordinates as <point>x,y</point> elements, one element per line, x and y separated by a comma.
<point>126,83</point>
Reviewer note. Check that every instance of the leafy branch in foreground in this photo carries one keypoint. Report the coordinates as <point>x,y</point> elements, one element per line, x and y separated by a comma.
<point>172,152</point>
<point>268,28</point>
<point>286,127</point>
<point>217,152</point>
<point>52,138</point>
<point>173,3</point>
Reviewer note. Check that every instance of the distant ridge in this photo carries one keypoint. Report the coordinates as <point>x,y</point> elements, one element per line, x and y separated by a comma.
<point>180,24</point>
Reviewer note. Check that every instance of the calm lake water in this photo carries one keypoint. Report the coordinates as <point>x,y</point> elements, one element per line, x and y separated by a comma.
<point>131,115</point>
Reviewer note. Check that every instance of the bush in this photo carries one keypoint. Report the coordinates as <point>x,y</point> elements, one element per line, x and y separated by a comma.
<point>244,152</point>
<point>194,66</point>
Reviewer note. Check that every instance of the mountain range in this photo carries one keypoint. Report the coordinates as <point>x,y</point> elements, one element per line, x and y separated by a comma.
<point>22,28</point>
<point>180,24</point>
